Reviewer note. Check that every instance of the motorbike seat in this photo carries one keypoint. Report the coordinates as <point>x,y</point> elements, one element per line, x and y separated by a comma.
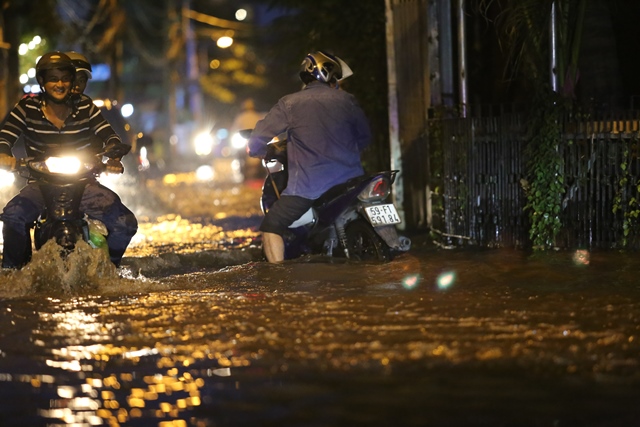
<point>337,191</point>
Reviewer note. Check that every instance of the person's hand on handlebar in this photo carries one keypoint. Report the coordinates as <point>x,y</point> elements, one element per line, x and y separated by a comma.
<point>7,162</point>
<point>114,166</point>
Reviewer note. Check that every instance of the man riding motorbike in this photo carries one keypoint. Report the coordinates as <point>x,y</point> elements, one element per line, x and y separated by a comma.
<point>51,124</point>
<point>326,130</point>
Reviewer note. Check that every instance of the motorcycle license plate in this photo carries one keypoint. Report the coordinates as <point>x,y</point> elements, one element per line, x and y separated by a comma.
<point>382,214</point>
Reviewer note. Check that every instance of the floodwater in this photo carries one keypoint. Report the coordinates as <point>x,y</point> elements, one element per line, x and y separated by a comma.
<point>196,330</point>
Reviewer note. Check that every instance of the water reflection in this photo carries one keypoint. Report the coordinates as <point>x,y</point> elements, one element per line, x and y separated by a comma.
<point>440,337</point>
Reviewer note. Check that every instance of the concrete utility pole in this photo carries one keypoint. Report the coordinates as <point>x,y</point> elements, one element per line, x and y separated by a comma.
<point>445,45</point>
<point>395,147</point>
<point>553,48</point>
<point>193,71</point>
<point>462,60</point>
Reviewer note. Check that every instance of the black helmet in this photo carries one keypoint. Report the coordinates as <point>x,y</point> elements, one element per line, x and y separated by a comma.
<point>324,67</point>
<point>54,60</point>
<point>81,63</point>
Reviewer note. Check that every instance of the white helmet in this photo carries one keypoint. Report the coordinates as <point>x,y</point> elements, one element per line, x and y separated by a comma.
<point>324,67</point>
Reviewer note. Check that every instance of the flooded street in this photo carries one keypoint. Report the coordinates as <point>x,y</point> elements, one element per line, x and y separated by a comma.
<point>196,330</point>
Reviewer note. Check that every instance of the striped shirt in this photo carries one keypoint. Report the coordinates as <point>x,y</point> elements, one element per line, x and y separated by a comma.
<point>85,129</point>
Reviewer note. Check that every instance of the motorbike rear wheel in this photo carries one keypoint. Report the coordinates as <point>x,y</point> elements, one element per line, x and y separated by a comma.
<point>364,244</point>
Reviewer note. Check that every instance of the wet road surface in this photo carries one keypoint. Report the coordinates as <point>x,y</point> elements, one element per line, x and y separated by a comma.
<point>196,330</point>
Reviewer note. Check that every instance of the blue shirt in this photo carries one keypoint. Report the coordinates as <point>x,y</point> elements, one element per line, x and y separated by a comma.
<point>326,130</point>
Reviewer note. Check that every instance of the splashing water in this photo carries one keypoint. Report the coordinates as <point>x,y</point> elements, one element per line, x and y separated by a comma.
<point>83,271</point>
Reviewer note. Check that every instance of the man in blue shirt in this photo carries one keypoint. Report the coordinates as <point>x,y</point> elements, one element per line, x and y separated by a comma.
<point>326,130</point>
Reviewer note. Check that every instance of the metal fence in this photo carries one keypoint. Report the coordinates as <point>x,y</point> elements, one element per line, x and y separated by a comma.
<point>474,192</point>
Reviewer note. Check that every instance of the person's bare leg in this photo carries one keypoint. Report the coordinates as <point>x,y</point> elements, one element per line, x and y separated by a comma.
<point>273,247</point>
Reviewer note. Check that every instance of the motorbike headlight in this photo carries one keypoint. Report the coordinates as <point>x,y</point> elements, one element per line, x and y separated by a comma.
<point>6,178</point>
<point>378,189</point>
<point>63,165</point>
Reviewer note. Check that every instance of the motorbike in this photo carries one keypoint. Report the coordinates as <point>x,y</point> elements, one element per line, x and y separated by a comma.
<point>62,181</point>
<point>352,220</point>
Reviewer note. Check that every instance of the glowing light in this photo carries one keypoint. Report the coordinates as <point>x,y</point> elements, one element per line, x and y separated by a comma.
<point>238,142</point>
<point>24,78</point>
<point>222,133</point>
<point>411,281</point>
<point>6,178</point>
<point>23,49</point>
<point>581,257</point>
<point>203,143</point>
<point>241,14</point>
<point>31,72</point>
<point>224,42</point>
<point>63,165</point>
<point>170,179</point>
<point>204,173</point>
<point>126,110</point>
<point>446,279</point>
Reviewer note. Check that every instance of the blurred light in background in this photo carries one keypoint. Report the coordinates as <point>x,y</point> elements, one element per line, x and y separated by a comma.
<point>126,110</point>
<point>222,133</point>
<point>204,173</point>
<point>238,142</point>
<point>203,143</point>
<point>241,14</point>
<point>24,48</point>
<point>224,42</point>
<point>100,72</point>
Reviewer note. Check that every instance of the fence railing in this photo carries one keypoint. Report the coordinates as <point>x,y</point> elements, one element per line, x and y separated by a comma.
<point>477,170</point>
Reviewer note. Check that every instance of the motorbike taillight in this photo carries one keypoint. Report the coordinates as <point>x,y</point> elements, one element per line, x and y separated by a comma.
<point>377,189</point>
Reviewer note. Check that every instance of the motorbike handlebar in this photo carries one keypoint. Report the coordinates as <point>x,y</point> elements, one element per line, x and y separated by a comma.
<point>111,166</point>
<point>276,149</point>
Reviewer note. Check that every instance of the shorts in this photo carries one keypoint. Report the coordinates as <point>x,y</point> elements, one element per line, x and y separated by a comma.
<point>284,212</point>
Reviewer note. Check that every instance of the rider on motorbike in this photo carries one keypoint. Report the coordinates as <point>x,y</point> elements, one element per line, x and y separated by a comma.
<point>326,130</point>
<point>83,72</point>
<point>51,124</point>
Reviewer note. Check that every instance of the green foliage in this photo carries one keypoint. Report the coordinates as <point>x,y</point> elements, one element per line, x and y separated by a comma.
<point>523,30</point>
<point>436,152</point>
<point>545,169</point>
<point>627,198</point>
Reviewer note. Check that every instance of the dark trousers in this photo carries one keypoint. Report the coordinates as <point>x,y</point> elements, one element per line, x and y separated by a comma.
<point>98,202</point>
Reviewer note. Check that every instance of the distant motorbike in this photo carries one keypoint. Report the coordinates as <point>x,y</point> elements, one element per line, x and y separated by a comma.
<point>351,220</point>
<point>62,181</point>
